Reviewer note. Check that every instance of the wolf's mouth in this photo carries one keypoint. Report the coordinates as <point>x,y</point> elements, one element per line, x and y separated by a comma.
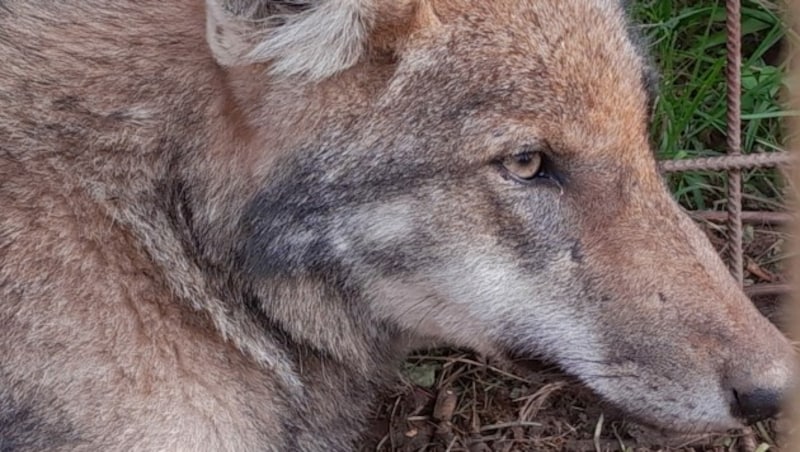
<point>538,370</point>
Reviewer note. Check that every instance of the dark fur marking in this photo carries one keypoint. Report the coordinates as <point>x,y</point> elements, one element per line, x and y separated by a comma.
<point>66,103</point>
<point>291,432</point>
<point>175,201</point>
<point>301,201</point>
<point>389,261</point>
<point>271,222</point>
<point>650,80</point>
<point>576,252</point>
<point>467,107</point>
<point>253,305</point>
<point>535,249</point>
<point>267,9</point>
<point>27,424</point>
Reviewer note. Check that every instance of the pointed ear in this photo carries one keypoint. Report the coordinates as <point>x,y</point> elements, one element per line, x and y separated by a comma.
<point>312,38</point>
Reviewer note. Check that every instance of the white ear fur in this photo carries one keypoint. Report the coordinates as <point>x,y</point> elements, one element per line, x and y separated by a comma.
<point>318,42</point>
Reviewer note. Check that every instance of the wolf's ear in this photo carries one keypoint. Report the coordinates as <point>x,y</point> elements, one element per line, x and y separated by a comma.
<point>313,38</point>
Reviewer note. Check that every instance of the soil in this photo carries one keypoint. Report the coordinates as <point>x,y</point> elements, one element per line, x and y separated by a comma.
<point>453,400</point>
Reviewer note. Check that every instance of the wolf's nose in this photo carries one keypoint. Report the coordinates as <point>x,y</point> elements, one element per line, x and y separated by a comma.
<point>753,406</point>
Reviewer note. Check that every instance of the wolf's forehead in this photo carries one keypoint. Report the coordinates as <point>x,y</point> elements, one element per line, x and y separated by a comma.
<point>581,41</point>
<point>563,72</point>
<point>568,69</point>
<point>547,46</point>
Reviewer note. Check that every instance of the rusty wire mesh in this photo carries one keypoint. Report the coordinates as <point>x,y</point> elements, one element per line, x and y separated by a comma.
<point>734,162</point>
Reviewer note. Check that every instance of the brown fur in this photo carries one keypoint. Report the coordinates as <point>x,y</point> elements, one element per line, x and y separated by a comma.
<point>215,247</point>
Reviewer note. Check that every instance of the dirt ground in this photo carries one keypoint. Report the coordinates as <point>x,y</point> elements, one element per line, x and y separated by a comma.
<point>452,400</point>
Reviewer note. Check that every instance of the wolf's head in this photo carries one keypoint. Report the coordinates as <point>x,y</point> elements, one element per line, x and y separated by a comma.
<point>479,173</point>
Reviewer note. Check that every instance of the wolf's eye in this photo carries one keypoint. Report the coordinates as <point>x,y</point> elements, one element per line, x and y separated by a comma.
<point>524,166</point>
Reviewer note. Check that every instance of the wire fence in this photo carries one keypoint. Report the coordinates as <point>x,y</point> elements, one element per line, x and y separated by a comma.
<point>734,162</point>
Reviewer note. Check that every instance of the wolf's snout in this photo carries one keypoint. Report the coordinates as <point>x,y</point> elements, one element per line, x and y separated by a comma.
<point>759,395</point>
<point>756,405</point>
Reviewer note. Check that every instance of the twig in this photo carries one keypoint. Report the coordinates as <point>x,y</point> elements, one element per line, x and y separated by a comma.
<point>503,425</point>
<point>598,429</point>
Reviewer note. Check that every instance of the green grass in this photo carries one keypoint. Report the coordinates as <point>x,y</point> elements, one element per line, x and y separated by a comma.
<point>687,41</point>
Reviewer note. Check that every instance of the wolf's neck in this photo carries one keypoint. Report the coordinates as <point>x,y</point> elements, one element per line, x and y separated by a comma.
<point>315,317</point>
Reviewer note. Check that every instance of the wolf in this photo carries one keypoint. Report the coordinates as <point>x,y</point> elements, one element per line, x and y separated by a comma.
<point>224,224</point>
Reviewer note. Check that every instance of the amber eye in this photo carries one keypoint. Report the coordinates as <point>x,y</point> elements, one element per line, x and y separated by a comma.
<point>524,166</point>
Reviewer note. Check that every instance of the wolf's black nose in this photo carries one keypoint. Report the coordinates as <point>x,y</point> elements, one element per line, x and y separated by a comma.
<point>753,406</point>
